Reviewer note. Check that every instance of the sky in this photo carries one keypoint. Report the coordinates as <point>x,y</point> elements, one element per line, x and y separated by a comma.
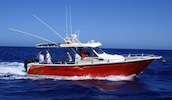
<point>128,24</point>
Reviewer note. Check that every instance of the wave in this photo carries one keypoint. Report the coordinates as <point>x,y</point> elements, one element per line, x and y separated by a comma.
<point>15,70</point>
<point>12,68</point>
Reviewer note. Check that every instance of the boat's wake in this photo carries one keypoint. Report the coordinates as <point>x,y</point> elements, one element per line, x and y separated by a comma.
<point>15,70</point>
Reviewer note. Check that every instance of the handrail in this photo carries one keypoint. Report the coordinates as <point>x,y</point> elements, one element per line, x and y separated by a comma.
<point>138,55</point>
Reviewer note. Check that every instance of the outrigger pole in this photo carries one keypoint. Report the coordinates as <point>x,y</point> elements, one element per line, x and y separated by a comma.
<point>32,35</point>
<point>49,27</point>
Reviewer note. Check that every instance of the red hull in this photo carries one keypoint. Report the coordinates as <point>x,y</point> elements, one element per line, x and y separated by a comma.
<point>99,70</point>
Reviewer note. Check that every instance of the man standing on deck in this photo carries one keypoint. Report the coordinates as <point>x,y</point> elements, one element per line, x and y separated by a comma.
<point>41,57</point>
<point>48,57</point>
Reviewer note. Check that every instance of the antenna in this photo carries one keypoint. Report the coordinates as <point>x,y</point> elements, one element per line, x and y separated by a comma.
<point>49,27</point>
<point>66,23</point>
<point>15,30</point>
<point>78,33</point>
<point>70,19</point>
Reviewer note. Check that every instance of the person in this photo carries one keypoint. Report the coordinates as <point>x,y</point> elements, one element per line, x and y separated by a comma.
<point>41,57</point>
<point>48,57</point>
<point>84,53</point>
<point>69,58</point>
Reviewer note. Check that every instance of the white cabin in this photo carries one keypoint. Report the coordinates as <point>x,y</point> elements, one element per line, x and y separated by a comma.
<point>92,47</point>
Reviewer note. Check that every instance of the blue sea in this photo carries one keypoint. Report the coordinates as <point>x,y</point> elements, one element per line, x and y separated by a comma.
<point>154,83</point>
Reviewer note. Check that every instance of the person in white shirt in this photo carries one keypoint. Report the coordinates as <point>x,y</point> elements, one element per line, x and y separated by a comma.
<point>48,57</point>
<point>41,57</point>
<point>69,58</point>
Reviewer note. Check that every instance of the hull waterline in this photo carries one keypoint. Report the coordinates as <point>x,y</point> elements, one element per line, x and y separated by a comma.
<point>97,70</point>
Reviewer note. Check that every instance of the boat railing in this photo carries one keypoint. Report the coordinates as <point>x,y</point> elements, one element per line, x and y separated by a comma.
<point>94,60</point>
<point>127,57</point>
<point>139,56</point>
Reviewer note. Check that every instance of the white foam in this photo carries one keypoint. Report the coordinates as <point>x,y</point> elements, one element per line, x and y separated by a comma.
<point>109,78</point>
<point>15,70</point>
<point>12,68</point>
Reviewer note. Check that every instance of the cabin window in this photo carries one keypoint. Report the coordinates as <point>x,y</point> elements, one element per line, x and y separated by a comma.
<point>98,50</point>
<point>86,51</point>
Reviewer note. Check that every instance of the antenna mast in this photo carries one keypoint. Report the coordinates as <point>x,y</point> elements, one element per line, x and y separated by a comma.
<point>66,23</point>
<point>78,33</point>
<point>70,19</point>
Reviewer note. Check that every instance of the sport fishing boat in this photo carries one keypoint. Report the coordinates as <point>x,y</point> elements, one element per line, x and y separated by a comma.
<point>96,64</point>
<point>88,59</point>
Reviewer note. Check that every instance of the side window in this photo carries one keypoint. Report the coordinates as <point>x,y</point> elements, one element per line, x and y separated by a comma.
<point>98,50</point>
<point>86,52</point>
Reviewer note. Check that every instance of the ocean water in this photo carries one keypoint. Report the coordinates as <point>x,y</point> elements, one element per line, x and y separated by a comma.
<point>155,83</point>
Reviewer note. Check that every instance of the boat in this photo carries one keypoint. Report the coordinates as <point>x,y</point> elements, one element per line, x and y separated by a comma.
<point>96,63</point>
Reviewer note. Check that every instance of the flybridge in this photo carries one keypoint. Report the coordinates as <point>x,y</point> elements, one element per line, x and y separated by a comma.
<point>68,44</point>
<point>88,44</point>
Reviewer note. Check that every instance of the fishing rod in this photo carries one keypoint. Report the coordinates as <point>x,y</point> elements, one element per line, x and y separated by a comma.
<point>15,30</point>
<point>49,27</point>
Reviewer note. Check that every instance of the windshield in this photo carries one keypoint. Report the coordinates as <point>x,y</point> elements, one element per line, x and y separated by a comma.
<point>86,52</point>
<point>98,50</point>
